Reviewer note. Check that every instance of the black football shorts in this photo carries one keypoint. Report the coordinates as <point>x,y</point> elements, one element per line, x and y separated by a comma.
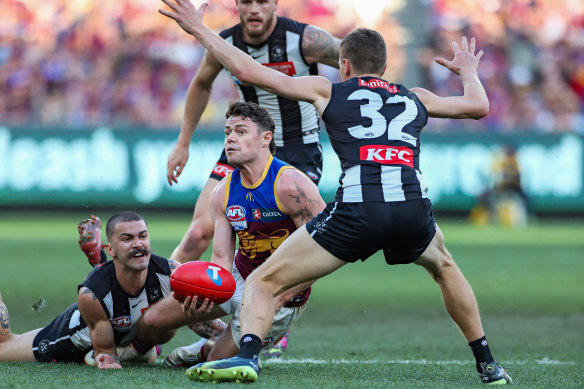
<point>355,231</point>
<point>53,343</point>
<point>306,158</point>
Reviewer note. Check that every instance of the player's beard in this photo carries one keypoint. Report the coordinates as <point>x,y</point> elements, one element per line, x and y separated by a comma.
<point>255,33</point>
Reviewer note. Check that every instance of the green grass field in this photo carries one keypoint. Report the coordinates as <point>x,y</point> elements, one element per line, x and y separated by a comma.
<point>367,326</point>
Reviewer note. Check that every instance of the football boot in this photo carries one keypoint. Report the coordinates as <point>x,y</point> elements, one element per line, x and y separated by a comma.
<point>278,349</point>
<point>90,240</point>
<point>236,369</point>
<point>493,374</point>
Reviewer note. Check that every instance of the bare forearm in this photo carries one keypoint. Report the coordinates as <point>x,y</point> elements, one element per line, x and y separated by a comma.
<point>475,93</point>
<point>196,102</point>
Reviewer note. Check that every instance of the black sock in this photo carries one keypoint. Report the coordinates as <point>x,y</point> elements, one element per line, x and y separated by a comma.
<point>481,351</point>
<point>249,346</point>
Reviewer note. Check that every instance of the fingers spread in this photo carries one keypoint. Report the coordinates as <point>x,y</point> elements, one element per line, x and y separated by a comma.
<point>464,44</point>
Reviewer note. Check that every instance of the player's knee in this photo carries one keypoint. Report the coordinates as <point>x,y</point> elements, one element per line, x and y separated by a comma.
<point>261,278</point>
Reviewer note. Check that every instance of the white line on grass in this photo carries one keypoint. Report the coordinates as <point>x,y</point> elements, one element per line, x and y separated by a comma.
<point>543,361</point>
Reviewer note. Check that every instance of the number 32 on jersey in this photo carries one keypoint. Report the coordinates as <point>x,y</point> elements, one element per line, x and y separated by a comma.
<point>380,124</point>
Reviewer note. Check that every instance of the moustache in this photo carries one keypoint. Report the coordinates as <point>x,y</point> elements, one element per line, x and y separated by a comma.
<point>140,250</point>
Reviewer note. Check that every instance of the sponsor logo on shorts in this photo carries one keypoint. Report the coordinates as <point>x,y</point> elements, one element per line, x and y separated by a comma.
<point>122,323</point>
<point>387,155</point>
<point>283,67</point>
<point>222,169</point>
<point>376,83</point>
<point>313,176</point>
<point>43,347</point>
<point>236,216</point>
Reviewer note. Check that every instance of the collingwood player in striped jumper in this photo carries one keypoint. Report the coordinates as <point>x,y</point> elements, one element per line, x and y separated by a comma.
<point>280,43</point>
<point>381,204</point>
<point>110,301</point>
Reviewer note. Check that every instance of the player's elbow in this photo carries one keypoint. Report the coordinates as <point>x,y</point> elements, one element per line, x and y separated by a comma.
<point>479,109</point>
<point>247,78</point>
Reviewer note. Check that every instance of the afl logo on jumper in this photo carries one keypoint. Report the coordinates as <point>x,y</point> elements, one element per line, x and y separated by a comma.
<point>122,323</point>
<point>236,216</point>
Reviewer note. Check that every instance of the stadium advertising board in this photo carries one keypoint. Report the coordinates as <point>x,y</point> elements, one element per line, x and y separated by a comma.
<point>105,167</point>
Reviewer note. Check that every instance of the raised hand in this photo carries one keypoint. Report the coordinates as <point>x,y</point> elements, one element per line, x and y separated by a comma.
<point>185,14</point>
<point>176,163</point>
<point>464,59</point>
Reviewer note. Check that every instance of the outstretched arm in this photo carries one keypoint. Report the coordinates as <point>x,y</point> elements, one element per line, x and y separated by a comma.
<point>100,330</point>
<point>473,103</point>
<point>197,99</point>
<point>313,89</point>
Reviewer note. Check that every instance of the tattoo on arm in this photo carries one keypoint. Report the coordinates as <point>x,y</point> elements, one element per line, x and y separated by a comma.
<point>209,329</point>
<point>304,212</point>
<point>85,290</point>
<point>173,264</point>
<point>321,46</point>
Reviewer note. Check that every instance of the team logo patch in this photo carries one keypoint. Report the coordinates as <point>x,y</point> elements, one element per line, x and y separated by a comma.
<point>387,155</point>
<point>154,294</point>
<point>277,53</point>
<point>122,323</point>
<point>236,216</point>
<point>213,274</point>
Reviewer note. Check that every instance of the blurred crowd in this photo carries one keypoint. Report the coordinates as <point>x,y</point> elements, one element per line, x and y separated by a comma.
<point>533,69</point>
<point>119,63</point>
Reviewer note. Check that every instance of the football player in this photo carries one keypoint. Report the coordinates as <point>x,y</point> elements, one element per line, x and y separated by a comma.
<point>382,204</point>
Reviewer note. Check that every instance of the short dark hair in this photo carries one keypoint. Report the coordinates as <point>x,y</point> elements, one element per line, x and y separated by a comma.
<point>259,115</point>
<point>366,51</point>
<point>120,217</point>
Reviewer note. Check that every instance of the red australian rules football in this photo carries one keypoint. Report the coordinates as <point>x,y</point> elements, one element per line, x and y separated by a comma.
<point>204,280</point>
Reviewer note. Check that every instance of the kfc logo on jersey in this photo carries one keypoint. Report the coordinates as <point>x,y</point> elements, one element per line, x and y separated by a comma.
<point>283,67</point>
<point>256,213</point>
<point>236,216</point>
<point>221,169</point>
<point>376,83</point>
<point>122,323</point>
<point>387,155</point>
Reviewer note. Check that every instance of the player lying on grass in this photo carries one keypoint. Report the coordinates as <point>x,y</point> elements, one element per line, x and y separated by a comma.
<point>109,303</point>
<point>261,202</point>
<point>382,204</point>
